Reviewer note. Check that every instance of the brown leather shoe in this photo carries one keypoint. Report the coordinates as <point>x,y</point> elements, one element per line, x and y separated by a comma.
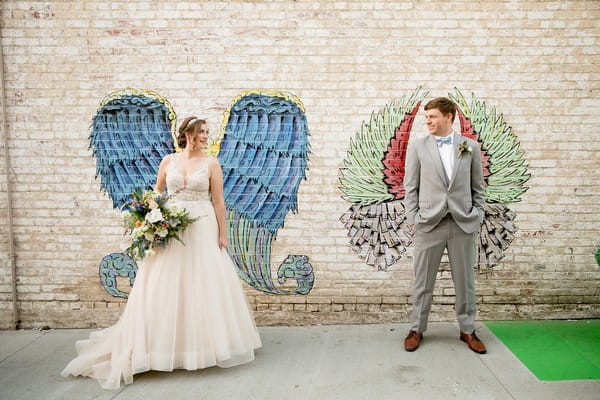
<point>412,341</point>
<point>473,342</point>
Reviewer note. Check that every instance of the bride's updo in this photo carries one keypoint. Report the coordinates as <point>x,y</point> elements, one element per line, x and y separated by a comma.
<point>189,126</point>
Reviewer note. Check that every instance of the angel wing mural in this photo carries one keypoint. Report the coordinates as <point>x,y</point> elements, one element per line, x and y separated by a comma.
<point>505,174</point>
<point>373,174</point>
<point>264,152</point>
<point>372,180</point>
<point>131,132</point>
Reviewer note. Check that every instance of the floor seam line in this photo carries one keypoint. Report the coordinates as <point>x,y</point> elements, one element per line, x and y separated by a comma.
<point>22,347</point>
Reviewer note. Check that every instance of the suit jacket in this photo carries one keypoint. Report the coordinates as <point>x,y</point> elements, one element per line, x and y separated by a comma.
<point>430,195</point>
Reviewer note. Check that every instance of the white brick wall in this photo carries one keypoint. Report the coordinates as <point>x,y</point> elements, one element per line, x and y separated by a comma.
<point>535,61</point>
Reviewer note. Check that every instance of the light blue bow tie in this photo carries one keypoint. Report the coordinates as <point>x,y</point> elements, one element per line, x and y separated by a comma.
<point>442,141</point>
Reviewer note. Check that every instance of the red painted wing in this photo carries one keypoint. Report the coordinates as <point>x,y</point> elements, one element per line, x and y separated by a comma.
<point>395,157</point>
<point>466,129</point>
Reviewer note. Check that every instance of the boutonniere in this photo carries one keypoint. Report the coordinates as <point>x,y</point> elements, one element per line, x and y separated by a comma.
<point>464,148</point>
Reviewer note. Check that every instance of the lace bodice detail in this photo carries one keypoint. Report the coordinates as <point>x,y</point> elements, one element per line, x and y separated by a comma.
<point>196,187</point>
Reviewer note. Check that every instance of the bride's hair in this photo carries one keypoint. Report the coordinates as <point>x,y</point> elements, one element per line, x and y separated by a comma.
<point>189,125</point>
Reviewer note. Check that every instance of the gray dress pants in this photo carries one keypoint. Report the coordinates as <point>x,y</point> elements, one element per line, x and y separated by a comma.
<point>429,248</point>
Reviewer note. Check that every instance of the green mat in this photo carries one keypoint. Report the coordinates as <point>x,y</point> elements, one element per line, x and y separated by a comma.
<point>553,350</point>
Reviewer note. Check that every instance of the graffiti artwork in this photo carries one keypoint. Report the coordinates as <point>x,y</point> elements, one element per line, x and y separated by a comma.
<point>113,266</point>
<point>264,154</point>
<point>131,132</point>
<point>263,148</point>
<point>373,174</point>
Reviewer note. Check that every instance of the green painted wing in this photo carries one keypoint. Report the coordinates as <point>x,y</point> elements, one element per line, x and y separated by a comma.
<point>508,169</point>
<point>362,177</point>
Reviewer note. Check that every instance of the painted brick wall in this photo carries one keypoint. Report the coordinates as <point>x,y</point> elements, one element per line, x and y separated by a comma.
<point>537,62</point>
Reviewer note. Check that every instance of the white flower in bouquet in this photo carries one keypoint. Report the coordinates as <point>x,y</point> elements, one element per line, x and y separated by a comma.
<point>162,232</point>
<point>152,204</point>
<point>149,235</point>
<point>174,209</point>
<point>154,216</point>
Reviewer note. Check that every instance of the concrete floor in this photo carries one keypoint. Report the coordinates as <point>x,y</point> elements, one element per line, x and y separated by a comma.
<point>314,362</point>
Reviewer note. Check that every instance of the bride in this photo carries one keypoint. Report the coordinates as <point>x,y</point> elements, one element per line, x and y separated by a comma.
<point>187,309</point>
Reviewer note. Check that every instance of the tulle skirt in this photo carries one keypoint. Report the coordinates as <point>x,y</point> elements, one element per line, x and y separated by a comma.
<point>186,310</point>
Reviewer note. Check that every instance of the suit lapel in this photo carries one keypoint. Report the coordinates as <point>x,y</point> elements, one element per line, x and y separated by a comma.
<point>458,159</point>
<point>437,160</point>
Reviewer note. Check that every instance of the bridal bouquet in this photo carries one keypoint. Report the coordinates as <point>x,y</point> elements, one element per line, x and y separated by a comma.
<point>152,222</point>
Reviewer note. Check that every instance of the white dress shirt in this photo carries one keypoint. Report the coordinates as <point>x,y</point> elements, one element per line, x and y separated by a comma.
<point>447,155</point>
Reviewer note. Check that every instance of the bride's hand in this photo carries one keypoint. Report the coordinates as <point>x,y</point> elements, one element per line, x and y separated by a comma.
<point>222,241</point>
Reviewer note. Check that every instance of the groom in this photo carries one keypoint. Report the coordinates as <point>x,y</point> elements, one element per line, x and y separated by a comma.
<point>444,204</point>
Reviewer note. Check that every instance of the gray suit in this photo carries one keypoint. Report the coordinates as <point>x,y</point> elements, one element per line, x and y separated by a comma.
<point>447,213</point>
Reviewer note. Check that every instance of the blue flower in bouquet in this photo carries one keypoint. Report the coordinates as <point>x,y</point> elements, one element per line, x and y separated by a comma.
<point>152,222</point>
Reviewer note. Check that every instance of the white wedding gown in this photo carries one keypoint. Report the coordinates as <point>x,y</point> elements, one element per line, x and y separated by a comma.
<point>186,310</point>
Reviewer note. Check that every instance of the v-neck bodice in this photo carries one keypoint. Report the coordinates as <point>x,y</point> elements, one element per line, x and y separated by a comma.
<point>194,187</point>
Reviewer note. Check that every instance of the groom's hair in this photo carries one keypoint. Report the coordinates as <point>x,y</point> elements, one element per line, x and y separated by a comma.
<point>444,104</point>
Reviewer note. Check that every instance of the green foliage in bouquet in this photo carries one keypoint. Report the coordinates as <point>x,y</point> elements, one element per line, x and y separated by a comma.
<point>152,222</point>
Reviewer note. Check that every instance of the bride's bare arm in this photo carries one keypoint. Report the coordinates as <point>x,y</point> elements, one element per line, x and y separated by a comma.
<point>161,178</point>
<point>218,201</point>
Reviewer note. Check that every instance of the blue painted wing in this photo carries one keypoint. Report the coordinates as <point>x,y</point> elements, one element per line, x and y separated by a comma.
<point>264,156</point>
<point>130,135</point>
